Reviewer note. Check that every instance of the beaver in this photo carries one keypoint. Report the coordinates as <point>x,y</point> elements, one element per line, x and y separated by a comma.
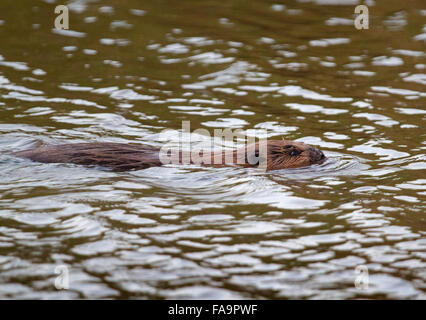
<point>267,154</point>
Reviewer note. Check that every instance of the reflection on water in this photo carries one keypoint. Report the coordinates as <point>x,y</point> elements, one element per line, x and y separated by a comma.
<point>298,69</point>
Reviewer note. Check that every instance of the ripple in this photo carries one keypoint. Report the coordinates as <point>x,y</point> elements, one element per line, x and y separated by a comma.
<point>295,91</point>
<point>403,92</point>
<point>387,61</point>
<point>328,42</point>
<point>69,33</point>
<point>309,108</point>
<point>385,154</point>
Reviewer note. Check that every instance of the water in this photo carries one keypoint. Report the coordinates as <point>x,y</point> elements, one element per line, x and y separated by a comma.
<point>125,72</point>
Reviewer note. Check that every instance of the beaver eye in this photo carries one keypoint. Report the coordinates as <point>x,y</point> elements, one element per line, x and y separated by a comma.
<point>289,146</point>
<point>294,153</point>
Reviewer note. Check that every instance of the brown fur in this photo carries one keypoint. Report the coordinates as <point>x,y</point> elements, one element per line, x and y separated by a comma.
<point>280,154</point>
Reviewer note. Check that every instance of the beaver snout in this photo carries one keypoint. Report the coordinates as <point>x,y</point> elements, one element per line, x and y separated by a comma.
<point>317,156</point>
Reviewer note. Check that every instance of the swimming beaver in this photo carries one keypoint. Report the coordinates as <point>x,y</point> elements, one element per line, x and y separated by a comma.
<point>280,154</point>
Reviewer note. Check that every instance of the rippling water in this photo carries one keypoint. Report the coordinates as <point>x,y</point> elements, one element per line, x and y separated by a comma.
<point>299,69</point>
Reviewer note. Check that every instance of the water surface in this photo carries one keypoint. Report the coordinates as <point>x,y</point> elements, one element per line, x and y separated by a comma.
<point>127,70</point>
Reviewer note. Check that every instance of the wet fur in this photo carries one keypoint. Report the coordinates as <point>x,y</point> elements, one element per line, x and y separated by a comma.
<point>280,154</point>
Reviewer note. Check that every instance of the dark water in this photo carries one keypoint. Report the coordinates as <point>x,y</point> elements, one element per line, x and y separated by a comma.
<point>127,70</point>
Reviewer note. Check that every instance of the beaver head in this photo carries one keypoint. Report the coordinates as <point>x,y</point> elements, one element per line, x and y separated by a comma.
<point>281,154</point>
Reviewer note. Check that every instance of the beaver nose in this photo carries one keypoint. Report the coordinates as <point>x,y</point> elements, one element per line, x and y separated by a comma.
<point>316,155</point>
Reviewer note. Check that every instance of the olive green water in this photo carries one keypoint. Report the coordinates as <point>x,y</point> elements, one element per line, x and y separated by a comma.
<point>127,70</point>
